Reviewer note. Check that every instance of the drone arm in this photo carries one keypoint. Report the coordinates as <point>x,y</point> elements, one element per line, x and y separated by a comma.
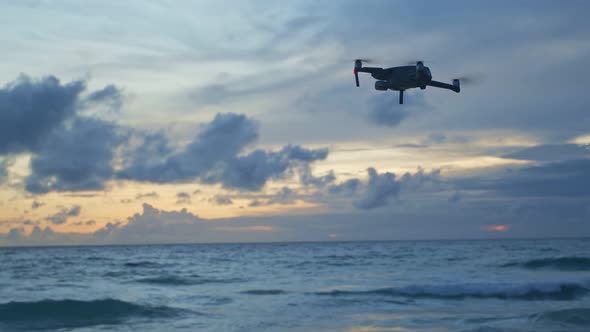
<point>371,70</point>
<point>454,87</point>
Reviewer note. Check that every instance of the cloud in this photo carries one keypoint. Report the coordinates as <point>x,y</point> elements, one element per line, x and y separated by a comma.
<point>77,157</point>
<point>75,152</point>
<point>284,196</point>
<point>154,225</point>
<point>252,171</point>
<point>255,203</point>
<point>62,216</point>
<point>379,190</point>
<point>421,180</point>
<point>569,178</point>
<point>110,96</point>
<point>183,198</point>
<point>84,223</point>
<point>70,152</point>
<point>307,178</point>
<point>152,194</point>
<point>36,205</point>
<point>555,152</point>
<point>3,170</point>
<point>220,140</point>
<point>215,155</point>
<point>221,200</point>
<point>31,109</point>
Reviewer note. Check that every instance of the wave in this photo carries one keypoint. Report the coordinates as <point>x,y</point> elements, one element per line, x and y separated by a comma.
<point>575,316</point>
<point>142,264</point>
<point>571,263</point>
<point>185,281</point>
<point>67,313</point>
<point>528,291</point>
<point>264,292</point>
<point>98,258</point>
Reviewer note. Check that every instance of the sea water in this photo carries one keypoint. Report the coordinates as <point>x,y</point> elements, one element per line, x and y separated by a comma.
<point>501,285</point>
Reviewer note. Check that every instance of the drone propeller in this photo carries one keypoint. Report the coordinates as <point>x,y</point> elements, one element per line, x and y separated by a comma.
<point>413,62</point>
<point>365,60</point>
<point>470,79</point>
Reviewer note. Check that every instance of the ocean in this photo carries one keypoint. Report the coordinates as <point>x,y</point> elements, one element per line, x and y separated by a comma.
<point>479,285</point>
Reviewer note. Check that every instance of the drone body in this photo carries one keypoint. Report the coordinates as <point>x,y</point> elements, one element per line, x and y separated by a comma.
<point>402,78</point>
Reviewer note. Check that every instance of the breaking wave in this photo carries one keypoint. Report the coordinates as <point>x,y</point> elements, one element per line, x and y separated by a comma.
<point>530,291</point>
<point>572,263</point>
<point>51,314</point>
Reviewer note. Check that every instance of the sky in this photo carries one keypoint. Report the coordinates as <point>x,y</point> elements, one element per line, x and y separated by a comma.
<point>239,121</point>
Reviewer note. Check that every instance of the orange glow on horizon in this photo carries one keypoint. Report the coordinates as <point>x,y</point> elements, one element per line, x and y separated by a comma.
<point>495,228</point>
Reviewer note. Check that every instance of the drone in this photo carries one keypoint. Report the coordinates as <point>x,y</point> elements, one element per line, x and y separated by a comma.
<point>402,78</point>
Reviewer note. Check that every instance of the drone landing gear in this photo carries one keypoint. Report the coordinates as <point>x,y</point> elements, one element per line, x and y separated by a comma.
<point>401,96</point>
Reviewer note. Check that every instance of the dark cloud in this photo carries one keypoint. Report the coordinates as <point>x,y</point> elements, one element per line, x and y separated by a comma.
<point>183,198</point>
<point>216,156</point>
<point>255,203</point>
<point>102,235</point>
<point>153,225</point>
<point>31,109</point>
<point>152,194</point>
<point>36,205</point>
<point>296,152</point>
<point>77,157</point>
<point>556,152</point>
<point>379,190</point>
<point>307,178</point>
<point>219,140</point>
<point>110,96</point>
<point>3,170</point>
<point>16,234</point>
<point>62,216</point>
<point>284,196</point>
<point>70,152</point>
<point>421,180</point>
<point>347,188</point>
<point>569,178</point>
<point>84,223</point>
<point>221,200</point>
<point>252,171</point>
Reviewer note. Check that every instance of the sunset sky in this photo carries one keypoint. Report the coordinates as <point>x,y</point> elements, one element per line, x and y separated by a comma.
<point>215,121</point>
